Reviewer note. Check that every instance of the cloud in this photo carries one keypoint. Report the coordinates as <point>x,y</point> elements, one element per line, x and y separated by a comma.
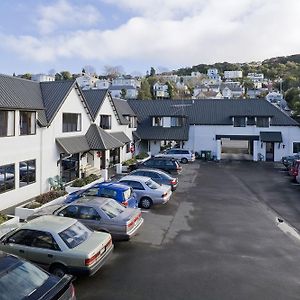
<point>206,32</point>
<point>67,15</point>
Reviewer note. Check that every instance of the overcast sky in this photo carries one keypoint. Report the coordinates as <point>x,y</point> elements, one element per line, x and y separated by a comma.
<point>39,35</point>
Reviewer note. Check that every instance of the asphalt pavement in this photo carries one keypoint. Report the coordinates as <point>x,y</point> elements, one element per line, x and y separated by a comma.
<point>218,238</point>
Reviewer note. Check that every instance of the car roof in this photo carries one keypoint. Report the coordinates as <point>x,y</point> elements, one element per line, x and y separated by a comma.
<point>151,170</point>
<point>162,158</point>
<point>92,200</point>
<point>114,185</point>
<point>49,223</point>
<point>6,260</point>
<point>136,178</point>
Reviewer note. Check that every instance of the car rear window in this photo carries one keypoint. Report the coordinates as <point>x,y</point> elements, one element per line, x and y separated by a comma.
<point>112,209</point>
<point>152,184</point>
<point>127,194</point>
<point>75,235</point>
<point>21,280</point>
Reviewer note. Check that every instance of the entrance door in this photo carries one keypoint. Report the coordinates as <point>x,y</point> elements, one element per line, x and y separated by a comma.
<point>269,151</point>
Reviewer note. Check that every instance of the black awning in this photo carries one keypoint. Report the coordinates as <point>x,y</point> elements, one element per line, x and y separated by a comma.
<point>73,144</point>
<point>270,136</point>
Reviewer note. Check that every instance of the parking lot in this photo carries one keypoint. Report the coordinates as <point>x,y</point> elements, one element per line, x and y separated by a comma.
<point>217,238</point>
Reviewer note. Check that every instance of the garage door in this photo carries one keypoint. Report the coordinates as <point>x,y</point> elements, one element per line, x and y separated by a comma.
<point>236,149</point>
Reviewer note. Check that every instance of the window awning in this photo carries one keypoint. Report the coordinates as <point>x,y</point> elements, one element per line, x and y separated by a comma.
<point>73,144</point>
<point>121,136</point>
<point>270,136</point>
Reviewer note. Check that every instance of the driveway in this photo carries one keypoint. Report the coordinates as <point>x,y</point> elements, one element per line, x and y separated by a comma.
<point>217,238</point>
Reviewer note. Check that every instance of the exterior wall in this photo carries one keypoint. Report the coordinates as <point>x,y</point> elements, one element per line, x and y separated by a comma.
<point>154,147</point>
<point>233,74</point>
<point>50,150</point>
<point>204,138</point>
<point>16,149</point>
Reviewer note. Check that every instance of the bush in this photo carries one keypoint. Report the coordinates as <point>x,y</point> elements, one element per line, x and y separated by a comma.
<point>3,218</point>
<point>45,198</point>
<point>129,162</point>
<point>84,181</point>
<point>142,155</point>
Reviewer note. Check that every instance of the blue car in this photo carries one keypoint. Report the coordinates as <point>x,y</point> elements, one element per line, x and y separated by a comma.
<point>120,192</point>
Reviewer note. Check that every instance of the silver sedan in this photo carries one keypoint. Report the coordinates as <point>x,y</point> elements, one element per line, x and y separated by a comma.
<point>101,214</point>
<point>148,191</point>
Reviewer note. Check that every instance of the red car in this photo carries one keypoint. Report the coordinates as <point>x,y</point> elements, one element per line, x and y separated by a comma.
<point>293,170</point>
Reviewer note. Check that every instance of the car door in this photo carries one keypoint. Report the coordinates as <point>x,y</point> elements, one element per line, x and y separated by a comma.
<point>90,218</point>
<point>137,188</point>
<point>44,250</point>
<point>18,243</point>
<point>154,176</point>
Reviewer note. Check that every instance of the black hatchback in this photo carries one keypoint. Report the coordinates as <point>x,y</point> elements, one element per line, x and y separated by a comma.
<point>170,165</point>
<point>20,279</point>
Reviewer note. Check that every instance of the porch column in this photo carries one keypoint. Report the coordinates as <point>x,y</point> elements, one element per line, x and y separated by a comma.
<point>255,150</point>
<point>219,149</point>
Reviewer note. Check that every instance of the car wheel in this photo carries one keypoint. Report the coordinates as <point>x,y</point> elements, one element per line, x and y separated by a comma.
<point>184,160</point>
<point>145,203</point>
<point>58,270</point>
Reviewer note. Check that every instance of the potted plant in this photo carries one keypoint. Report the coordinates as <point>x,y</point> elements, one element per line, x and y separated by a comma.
<point>83,183</point>
<point>49,198</point>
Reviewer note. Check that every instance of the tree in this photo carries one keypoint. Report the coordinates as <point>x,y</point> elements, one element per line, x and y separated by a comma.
<point>152,72</point>
<point>170,90</point>
<point>113,71</point>
<point>66,75</point>
<point>26,76</point>
<point>145,90</point>
<point>123,93</point>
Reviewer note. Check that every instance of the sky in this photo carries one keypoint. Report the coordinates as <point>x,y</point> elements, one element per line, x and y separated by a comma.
<point>37,36</point>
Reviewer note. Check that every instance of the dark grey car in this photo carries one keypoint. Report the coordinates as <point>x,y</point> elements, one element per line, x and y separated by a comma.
<point>100,214</point>
<point>158,176</point>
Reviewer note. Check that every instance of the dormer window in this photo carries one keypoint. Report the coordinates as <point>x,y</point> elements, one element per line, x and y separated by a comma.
<point>27,122</point>
<point>250,121</point>
<point>239,122</point>
<point>7,123</point>
<point>262,122</point>
<point>176,121</point>
<point>105,121</point>
<point>157,121</point>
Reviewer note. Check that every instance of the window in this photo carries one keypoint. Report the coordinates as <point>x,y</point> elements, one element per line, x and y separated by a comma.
<point>105,121</point>
<point>27,172</point>
<point>109,193</point>
<point>90,192</point>
<point>112,209</point>
<point>296,147</point>
<point>239,122</point>
<point>71,122</point>
<point>157,121</point>
<point>176,122</point>
<point>43,240</point>
<point>7,178</point>
<point>88,213</point>
<point>7,123</point>
<point>27,122</point>
<point>262,122</point>
<point>22,237</point>
<point>133,122</point>
<point>70,211</point>
<point>250,121</point>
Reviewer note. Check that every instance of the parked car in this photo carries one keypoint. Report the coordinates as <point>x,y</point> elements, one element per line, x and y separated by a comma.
<point>20,279</point>
<point>293,169</point>
<point>158,176</point>
<point>120,192</point>
<point>101,214</point>
<point>167,164</point>
<point>288,160</point>
<point>60,245</point>
<point>183,155</point>
<point>148,191</point>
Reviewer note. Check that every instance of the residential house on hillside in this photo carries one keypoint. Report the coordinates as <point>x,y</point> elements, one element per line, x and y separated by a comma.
<point>160,91</point>
<point>233,74</point>
<point>42,77</point>
<point>200,125</point>
<point>49,129</point>
<point>130,92</point>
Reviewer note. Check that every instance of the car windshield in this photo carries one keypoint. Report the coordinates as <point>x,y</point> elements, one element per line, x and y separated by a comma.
<point>127,194</point>
<point>75,235</point>
<point>152,184</point>
<point>112,209</point>
<point>20,281</point>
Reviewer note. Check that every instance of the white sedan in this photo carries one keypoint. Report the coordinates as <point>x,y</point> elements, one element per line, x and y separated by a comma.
<point>148,191</point>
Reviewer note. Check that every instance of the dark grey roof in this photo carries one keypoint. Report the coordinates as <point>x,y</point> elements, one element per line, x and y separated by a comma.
<point>99,139</point>
<point>95,99</point>
<point>121,136</point>
<point>123,109</point>
<point>270,136</point>
<point>18,93</point>
<point>120,87</point>
<point>54,93</point>
<point>73,144</point>
<point>136,136</point>
<point>145,109</point>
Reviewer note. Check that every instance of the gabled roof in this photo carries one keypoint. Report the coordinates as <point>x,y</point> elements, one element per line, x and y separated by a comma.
<point>123,109</point>
<point>54,94</point>
<point>18,93</point>
<point>121,87</point>
<point>99,139</point>
<point>94,99</point>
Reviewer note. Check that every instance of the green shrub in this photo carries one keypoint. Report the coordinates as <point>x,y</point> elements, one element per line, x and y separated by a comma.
<point>142,155</point>
<point>129,162</point>
<point>45,198</point>
<point>80,182</point>
<point>3,218</point>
